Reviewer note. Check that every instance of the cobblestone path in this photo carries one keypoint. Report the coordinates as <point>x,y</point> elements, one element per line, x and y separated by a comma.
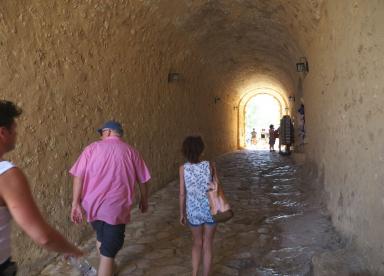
<point>276,230</point>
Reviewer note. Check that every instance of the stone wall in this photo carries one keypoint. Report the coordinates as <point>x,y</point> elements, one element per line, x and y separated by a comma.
<point>344,110</point>
<point>71,65</point>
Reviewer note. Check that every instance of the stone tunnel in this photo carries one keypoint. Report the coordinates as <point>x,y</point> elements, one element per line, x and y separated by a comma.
<point>169,68</point>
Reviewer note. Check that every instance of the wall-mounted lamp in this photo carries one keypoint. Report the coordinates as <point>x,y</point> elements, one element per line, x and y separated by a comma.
<point>172,77</point>
<point>216,99</point>
<point>291,98</point>
<point>302,65</point>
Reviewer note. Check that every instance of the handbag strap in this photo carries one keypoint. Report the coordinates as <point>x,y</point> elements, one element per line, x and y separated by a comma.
<point>212,168</point>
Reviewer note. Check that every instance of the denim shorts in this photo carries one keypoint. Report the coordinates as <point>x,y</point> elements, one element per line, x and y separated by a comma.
<point>110,236</point>
<point>202,224</point>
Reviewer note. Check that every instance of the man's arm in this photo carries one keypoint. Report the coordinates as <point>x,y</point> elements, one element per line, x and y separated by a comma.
<point>76,211</point>
<point>143,205</point>
<point>142,177</point>
<point>15,192</point>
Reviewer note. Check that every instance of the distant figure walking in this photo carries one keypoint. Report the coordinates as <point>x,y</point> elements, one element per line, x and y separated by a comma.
<point>253,137</point>
<point>277,136</point>
<point>195,177</point>
<point>272,138</point>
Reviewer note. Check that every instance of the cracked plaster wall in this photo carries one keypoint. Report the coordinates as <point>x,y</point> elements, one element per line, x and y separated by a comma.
<point>72,65</point>
<point>344,107</point>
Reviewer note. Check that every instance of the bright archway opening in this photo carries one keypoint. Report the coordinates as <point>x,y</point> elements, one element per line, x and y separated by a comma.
<point>261,111</point>
<point>258,109</point>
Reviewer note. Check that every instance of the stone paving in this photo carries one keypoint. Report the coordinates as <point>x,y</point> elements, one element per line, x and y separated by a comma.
<point>278,226</point>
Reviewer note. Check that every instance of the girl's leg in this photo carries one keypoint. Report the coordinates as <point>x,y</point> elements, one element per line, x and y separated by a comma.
<point>197,237</point>
<point>209,234</point>
<point>98,244</point>
<point>106,266</point>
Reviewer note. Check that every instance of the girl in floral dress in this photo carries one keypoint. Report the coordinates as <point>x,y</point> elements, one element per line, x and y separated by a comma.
<point>195,177</point>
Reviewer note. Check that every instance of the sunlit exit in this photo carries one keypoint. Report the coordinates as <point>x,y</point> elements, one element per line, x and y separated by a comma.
<point>261,111</point>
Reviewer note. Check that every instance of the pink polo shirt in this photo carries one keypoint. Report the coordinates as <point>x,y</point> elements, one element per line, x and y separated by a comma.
<point>109,169</point>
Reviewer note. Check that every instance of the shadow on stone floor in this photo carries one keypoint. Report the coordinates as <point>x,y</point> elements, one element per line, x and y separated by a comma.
<point>278,228</point>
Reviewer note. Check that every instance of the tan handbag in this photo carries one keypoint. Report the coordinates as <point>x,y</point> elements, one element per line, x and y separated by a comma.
<point>220,209</point>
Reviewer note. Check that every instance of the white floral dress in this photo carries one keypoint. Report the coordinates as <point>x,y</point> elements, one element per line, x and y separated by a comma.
<point>197,178</point>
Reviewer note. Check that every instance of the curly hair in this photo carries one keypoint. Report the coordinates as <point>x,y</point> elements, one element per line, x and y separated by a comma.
<point>193,147</point>
<point>8,112</point>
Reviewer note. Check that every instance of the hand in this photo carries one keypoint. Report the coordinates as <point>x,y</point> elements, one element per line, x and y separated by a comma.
<point>76,214</point>
<point>183,221</point>
<point>212,186</point>
<point>143,205</point>
<point>77,253</point>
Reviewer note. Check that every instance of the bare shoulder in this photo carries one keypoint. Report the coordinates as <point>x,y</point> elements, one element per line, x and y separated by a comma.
<point>212,163</point>
<point>12,179</point>
<point>12,174</point>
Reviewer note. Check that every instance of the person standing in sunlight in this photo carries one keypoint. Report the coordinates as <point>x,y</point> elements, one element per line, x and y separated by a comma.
<point>272,138</point>
<point>253,137</point>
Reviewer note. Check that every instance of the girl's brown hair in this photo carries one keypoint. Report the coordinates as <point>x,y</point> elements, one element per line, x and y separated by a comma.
<point>193,147</point>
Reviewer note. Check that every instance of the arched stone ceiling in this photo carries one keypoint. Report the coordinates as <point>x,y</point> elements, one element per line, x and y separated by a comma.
<point>246,39</point>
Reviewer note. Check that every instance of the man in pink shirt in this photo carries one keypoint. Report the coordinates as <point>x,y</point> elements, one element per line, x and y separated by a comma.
<point>103,185</point>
